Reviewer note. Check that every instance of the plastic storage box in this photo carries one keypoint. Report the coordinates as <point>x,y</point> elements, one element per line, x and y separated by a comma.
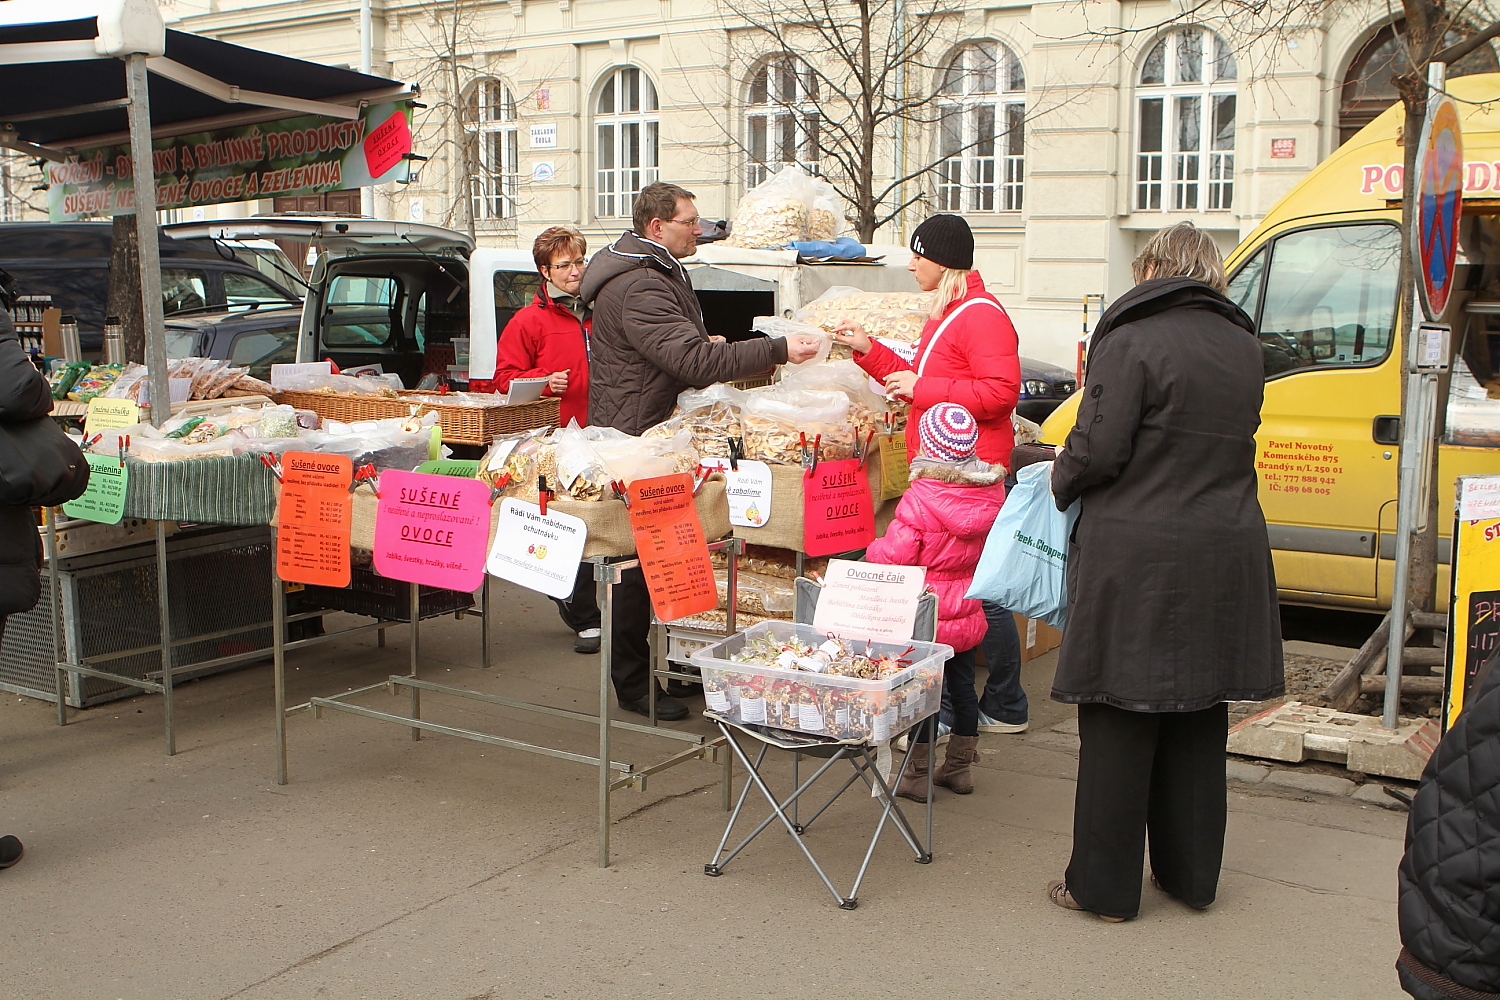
<point>844,708</point>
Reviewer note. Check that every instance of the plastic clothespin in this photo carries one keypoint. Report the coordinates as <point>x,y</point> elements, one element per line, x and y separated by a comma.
<point>120,448</point>
<point>816,447</point>
<point>271,464</point>
<point>501,481</point>
<point>617,486</point>
<point>864,454</point>
<point>736,452</point>
<point>543,495</point>
<point>802,447</point>
<point>366,474</point>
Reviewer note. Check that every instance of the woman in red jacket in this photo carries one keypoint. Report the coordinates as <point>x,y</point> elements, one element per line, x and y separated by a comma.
<point>550,339</point>
<point>967,353</point>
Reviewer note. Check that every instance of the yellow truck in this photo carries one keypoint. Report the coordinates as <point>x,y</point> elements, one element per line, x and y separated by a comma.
<point>1319,277</point>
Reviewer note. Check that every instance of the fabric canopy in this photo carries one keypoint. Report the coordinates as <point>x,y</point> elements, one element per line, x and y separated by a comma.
<point>62,89</point>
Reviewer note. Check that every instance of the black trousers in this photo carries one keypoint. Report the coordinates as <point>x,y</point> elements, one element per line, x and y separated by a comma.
<point>1140,772</point>
<point>631,637</point>
<point>581,610</point>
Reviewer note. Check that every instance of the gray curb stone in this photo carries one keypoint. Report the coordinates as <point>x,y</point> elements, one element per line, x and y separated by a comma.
<point>1372,793</point>
<point>1319,784</point>
<point>1245,774</point>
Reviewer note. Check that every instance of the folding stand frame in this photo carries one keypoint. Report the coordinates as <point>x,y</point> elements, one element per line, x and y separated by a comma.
<point>162,682</point>
<point>864,763</point>
<point>613,775</point>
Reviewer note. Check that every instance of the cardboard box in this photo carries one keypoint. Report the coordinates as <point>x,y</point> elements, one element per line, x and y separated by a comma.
<point>1036,637</point>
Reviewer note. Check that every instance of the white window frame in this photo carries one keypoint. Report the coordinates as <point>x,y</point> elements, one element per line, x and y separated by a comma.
<point>1184,156</point>
<point>782,119</point>
<point>981,130</point>
<point>627,144</point>
<point>490,114</point>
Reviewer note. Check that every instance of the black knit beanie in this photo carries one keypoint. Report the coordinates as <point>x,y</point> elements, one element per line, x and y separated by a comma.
<point>945,240</point>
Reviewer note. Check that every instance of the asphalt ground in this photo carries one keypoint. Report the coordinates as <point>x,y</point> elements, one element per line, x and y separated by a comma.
<point>446,869</point>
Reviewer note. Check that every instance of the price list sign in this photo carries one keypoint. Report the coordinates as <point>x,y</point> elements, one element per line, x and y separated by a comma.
<point>104,500</point>
<point>313,519</point>
<point>432,529</point>
<point>837,513</point>
<point>669,542</point>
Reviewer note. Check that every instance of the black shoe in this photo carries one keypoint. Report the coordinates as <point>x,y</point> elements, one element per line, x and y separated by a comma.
<point>683,689</point>
<point>668,709</point>
<point>587,641</point>
<point>11,849</point>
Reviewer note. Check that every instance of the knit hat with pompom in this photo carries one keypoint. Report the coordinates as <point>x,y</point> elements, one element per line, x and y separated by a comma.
<point>949,433</point>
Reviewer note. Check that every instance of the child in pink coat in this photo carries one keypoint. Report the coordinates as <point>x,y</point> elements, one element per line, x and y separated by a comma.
<point>941,523</point>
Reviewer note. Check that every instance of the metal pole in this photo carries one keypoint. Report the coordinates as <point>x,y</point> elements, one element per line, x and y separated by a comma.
<point>416,634</point>
<point>366,63</point>
<point>484,623</point>
<point>1418,415</point>
<point>278,658</point>
<point>164,615</point>
<point>606,597</point>
<point>143,172</point>
<point>50,513</point>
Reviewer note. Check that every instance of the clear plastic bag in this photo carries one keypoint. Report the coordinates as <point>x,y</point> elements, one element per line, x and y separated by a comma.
<point>775,212</point>
<point>778,419</point>
<point>775,326</point>
<point>825,217</point>
<point>764,596</point>
<point>710,417</point>
<point>891,315</point>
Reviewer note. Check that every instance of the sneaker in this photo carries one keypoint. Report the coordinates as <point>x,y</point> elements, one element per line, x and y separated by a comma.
<point>989,725</point>
<point>668,709</point>
<point>587,642</point>
<point>945,733</point>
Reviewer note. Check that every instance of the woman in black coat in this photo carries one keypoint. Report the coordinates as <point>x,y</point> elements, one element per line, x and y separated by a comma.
<point>23,398</point>
<point>1172,597</point>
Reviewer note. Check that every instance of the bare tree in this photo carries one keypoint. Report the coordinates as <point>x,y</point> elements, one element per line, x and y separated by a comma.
<point>447,36</point>
<point>865,75</point>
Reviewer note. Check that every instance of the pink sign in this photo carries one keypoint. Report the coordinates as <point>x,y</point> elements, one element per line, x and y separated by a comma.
<point>433,530</point>
<point>387,144</point>
<point>837,513</point>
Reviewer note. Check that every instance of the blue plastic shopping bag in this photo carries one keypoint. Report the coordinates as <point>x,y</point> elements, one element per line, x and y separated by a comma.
<point>1024,565</point>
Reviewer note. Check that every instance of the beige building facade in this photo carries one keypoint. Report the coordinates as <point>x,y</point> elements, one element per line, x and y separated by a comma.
<point>1065,142</point>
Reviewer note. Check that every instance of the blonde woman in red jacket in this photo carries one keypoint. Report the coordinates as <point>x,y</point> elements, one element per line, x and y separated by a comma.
<point>550,339</point>
<point>967,353</point>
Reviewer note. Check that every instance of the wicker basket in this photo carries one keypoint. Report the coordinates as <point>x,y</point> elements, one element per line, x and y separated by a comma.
<point>476,425</point>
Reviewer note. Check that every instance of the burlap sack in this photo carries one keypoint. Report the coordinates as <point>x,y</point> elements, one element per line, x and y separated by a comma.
<point>608,521</point>
<point>784,529</point>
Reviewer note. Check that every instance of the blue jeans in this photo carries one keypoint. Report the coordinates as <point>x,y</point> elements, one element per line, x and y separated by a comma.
<point>1004,700</point>
<point>958,679</point>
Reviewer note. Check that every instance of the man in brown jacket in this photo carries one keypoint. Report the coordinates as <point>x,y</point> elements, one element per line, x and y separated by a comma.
<point>649,344</point>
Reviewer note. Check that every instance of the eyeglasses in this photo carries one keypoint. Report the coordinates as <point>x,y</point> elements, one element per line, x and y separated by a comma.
<point>567,265</point>
<point>690,223</point>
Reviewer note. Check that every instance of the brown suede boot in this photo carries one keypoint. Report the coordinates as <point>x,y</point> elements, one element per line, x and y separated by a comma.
<point>953,772</point>
<point>913,784</point>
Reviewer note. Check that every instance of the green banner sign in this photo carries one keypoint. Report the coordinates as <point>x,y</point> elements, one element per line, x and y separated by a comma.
<point>306,155</point>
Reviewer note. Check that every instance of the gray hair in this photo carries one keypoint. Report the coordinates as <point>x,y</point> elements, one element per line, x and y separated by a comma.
<point>1181,251</point>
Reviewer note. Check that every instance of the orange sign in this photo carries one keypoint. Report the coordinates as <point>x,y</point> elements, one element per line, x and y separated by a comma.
<point>669,541</point>
<point>313,520</point>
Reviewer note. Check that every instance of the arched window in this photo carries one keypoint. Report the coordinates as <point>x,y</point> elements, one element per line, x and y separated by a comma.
<point>494,152</point>
<point>626,147</point>
<point>1185,125</point>
<point>982,131</point>
<point>1369,85</point>
<point>781,118</point>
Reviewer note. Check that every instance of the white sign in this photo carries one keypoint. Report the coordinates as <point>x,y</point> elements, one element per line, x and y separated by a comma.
<point>749,491</point>
<point>544,135</point>
<point>417,210</point>
<point>905,351</point>
<point>538,551</point>
<point>870,600</point>
<point>1478,498</point>
<point>282,375</point>
<point>544,171</point>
